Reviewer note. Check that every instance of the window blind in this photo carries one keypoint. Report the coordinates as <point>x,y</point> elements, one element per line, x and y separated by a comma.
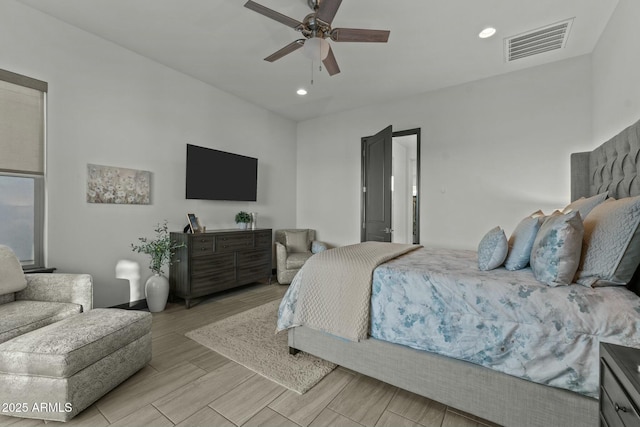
<point>21,124</point>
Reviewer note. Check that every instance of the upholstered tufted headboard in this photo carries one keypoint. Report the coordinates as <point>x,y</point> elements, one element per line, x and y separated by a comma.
<point>611,167</point>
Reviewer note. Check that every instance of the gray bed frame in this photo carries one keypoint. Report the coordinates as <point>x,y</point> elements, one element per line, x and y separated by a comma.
<point>494,396</point>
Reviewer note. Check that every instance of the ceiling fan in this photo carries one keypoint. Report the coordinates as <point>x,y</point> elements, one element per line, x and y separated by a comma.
<point>316,27</point>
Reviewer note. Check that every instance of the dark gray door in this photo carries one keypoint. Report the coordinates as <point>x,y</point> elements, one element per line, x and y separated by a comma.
<point>376,186</point>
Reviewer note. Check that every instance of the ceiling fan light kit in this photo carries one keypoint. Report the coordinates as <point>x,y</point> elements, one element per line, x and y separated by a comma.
<point>316,49</point>
<point>316,28</point>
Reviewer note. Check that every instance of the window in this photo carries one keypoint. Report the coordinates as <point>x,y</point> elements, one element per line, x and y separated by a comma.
<point>22,154</point>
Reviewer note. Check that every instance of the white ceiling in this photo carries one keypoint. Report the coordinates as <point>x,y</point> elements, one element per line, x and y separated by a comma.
<point>433,44</point>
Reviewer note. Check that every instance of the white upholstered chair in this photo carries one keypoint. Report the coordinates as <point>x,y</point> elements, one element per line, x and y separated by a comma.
<point>293,248</point>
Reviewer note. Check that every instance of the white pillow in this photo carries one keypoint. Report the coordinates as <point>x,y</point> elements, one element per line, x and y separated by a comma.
<point>611,250</point>
<point>585,205</point>
<point>493,249</point>
<point>11,275</point>
<point>555,255</point>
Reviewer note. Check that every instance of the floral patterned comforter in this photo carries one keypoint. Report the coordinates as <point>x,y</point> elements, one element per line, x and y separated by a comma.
<point>437,300</point>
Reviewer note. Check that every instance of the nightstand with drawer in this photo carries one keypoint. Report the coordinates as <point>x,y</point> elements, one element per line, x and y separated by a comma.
<point>218,260</point>
<point>619,386</point>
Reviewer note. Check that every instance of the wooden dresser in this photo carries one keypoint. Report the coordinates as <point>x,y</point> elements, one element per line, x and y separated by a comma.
<point>619,386</point>
<point>218,260</point>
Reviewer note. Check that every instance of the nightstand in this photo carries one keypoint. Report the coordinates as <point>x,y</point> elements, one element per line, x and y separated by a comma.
<point>619,386</point>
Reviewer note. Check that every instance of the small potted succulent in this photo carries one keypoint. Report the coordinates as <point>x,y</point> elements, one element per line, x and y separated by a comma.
<point>243,219</point>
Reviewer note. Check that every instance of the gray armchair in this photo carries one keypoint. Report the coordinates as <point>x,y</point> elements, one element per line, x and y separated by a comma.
<point>29,302</point>
<point>293,248</point>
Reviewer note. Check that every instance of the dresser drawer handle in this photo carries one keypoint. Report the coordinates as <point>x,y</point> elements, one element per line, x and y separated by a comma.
<point>203,249</point>
<point>203,240</point>
<point>620,408</point>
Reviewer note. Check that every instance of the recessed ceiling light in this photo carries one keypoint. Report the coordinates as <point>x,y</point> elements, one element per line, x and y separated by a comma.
<point>487,32</point>
<point>301,91</point>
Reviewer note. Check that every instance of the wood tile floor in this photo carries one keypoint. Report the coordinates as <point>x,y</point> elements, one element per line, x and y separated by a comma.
<point>186,384</point>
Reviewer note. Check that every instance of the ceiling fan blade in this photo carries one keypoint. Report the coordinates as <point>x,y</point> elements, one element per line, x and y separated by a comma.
<point>330,63</point>
<point>285,50</point>
<point>327,10</point>
<point>359,35</point>
<point>269,13</point>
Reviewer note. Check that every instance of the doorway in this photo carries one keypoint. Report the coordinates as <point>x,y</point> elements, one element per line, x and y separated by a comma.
<point>390,208</point>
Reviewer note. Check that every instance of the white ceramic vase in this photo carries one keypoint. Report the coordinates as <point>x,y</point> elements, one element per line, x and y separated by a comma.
<point>242,225</point>
<point>157,291</point>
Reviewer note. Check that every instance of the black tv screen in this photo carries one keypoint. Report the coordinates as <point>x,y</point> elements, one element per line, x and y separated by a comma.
<point>218,175</point>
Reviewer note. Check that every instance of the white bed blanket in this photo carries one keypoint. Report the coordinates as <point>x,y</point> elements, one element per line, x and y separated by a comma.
<point>335,288</point>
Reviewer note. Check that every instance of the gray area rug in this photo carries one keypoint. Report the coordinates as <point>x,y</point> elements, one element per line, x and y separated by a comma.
<point>249,339</point>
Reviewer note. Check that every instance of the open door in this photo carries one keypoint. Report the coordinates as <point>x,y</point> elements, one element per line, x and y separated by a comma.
<point>376,186</point>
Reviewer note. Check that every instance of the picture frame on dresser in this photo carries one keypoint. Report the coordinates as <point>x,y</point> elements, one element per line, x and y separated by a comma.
<point>194,223</point>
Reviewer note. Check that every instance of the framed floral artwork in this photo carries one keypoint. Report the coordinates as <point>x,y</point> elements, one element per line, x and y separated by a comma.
<point>107,184</point>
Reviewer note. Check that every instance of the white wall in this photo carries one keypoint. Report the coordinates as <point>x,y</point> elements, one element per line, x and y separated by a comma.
<point>399,167</point>
<point>616,74</point>
<point>112,107</point>
<point>493,151</point>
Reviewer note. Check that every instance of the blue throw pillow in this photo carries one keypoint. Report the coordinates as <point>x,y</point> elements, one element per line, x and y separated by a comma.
<point>493,249</point>
<point>555,255</point>
<point>521,241</point>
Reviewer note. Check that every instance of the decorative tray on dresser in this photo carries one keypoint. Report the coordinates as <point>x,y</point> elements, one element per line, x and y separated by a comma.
<point>218,260</point>
<point>619,386</point>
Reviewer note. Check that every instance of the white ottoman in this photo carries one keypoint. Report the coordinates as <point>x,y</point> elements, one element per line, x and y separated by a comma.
<point>55,372</point>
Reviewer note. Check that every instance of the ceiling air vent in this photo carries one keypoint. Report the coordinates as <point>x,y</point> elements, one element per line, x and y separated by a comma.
<point>543,39</point>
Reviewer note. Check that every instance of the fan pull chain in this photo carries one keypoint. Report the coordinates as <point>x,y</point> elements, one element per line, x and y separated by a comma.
<point>312,68</point>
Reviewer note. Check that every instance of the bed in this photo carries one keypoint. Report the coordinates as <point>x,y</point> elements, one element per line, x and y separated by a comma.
<point>510,392</point>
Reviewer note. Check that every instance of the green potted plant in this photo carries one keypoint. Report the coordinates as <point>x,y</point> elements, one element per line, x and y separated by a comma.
<point>243,219</point>
<point>160,249</point>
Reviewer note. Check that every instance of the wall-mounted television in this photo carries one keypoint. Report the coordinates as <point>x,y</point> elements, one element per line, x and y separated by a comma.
<point>218,175</point>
